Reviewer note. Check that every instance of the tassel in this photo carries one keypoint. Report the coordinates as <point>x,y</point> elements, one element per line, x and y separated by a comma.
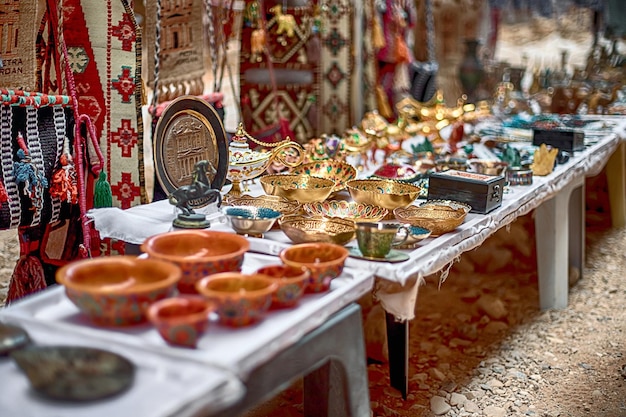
<point>28,278</point>
<point>64,180</point>
<point>26,173</point>
<point>285,129</point>
<point>313,49</point>
<point>4,196</point>
<point>378,39</point>
<point>384,108</point>
<point>103,196</point>
<point>402,51</point>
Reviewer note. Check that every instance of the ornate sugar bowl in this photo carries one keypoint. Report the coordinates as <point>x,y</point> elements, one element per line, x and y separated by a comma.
<point>246,164</point>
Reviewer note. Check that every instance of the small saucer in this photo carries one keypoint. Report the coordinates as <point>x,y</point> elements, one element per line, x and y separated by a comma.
<point>393,255</point>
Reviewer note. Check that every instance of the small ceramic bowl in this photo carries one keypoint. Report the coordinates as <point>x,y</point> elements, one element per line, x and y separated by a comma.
<point>302,229</point>
<point>251,221</point>
<point>388,194</point>
<point>181,320</point>
<point>338,171</point>
<point>291,283</point>
<point>198,253</point>
<point>240,299</point>
<point>301,187</point>
<point>350,210</point>
<point>117,290</point>
<point>325,261</point>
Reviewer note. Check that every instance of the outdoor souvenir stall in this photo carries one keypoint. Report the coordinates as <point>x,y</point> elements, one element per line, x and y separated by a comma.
<point>245,268</point>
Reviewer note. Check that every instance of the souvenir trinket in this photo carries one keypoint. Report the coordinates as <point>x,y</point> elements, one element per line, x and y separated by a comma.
<point>246,164</point>
<point>543,160</point>
<point>482,192</point>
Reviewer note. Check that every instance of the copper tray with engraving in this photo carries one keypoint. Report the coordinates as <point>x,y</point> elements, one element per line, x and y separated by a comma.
<point>189,131</point>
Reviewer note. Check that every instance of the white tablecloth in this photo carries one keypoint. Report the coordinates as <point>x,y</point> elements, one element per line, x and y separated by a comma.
<point>398,284</point>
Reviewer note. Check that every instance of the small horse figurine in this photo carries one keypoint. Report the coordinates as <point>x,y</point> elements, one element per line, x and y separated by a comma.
<point>200,188</point>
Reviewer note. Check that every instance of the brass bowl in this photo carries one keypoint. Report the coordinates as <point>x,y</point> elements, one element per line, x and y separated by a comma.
<point>446,205</point>
<point>251,221</point>
<point>298,187</point>
<point>351,210</point>
<point>273,202</point>
<point>302,229</point>
<point>338,171</point>
<point>437,220</point>
<point>388,194</point>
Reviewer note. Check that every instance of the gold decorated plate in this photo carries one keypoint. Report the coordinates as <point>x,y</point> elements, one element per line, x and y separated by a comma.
<point>189,131</point>
<point>393,256</point>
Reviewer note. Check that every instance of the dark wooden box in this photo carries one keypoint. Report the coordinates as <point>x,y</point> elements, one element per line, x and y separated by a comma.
<point>569,140</point>
<point>482,192</point>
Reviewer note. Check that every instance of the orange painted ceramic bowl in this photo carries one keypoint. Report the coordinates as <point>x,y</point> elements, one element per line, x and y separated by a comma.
<point>324,260</point>
<point>291,282</point>
<point>117,290</point>
<point>181,320</point>
<point>198,253</point>
<point>240,299</point>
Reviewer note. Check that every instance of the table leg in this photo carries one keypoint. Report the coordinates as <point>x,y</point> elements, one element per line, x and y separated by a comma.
<point>398,346</point>
<point>616,179</point>
<point>559,227</point>
<point>333,362</point>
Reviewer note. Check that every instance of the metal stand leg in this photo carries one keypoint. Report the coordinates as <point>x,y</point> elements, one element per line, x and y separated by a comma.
<point>559,226</point>
<point>332,360</point>
<point>398,344</point>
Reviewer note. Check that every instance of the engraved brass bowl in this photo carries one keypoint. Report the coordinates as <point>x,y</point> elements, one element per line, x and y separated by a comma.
<point>351,210</point>
<point>297,187</point>
<point>273,202</point>
<point>338,171</point>
<point>446,204</point>
<point>388,194</point>
<point>302,229</point>
<point>438,220</point>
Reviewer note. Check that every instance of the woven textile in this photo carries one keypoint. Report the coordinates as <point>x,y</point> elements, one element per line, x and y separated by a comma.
<point>181,59</point>
<point>104,44</point>
<point>44,130</point>
<point>337,66</point>
<point>325,77</point>
<point>295,66</point>
<point>18,35</point>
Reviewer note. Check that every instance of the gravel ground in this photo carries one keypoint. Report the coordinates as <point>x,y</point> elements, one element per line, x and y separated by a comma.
<point>481,347</point>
